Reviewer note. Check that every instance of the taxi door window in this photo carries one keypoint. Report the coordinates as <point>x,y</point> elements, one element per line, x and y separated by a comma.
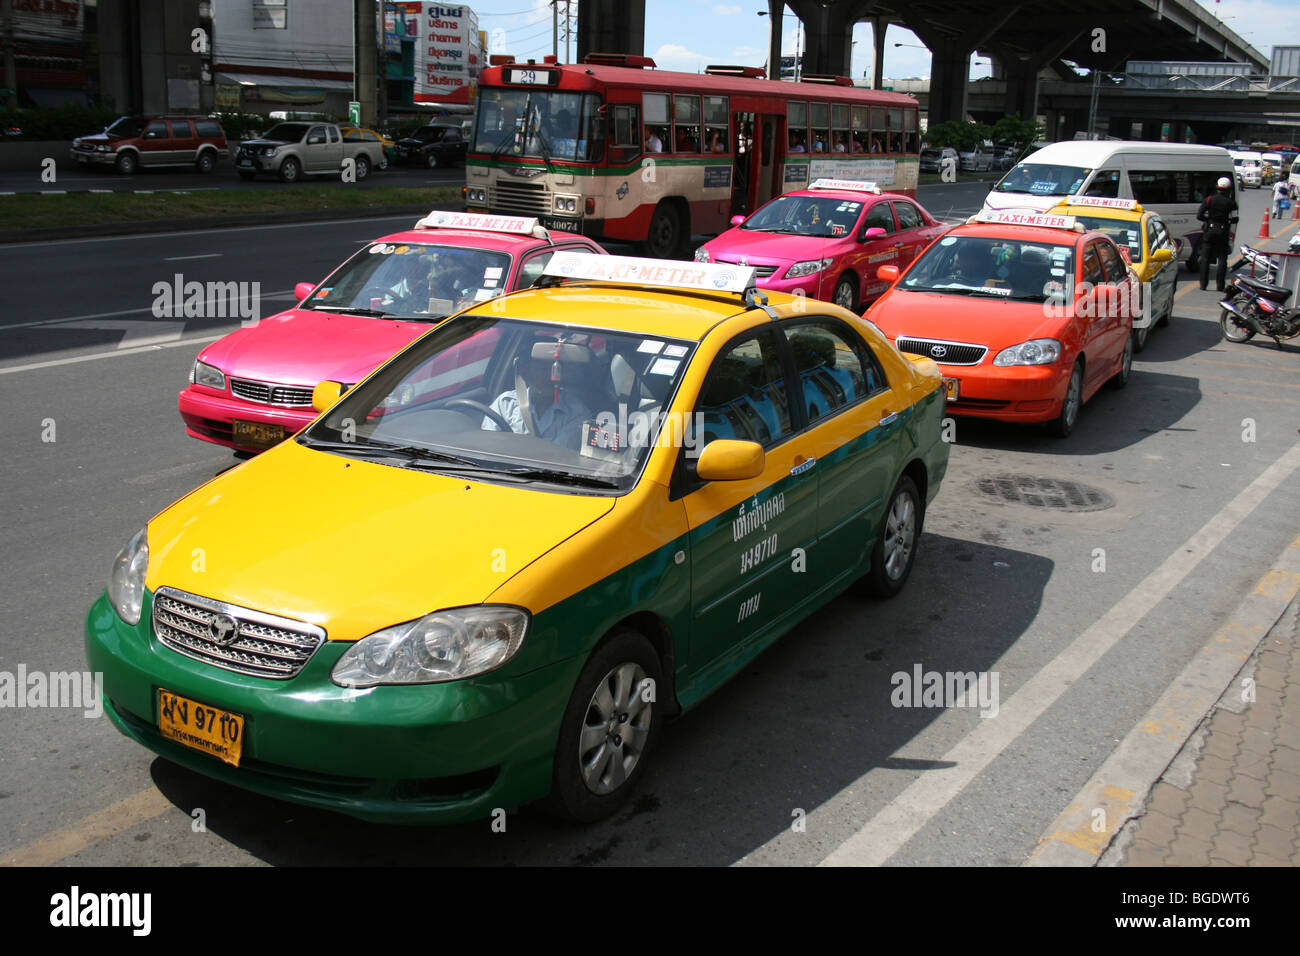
<point>908,217</point>
<point>1111,263</point>
<point>1092,271</point>
<point>880,217</point>
<point>532,268</point>
<point>744,395</point>
<point>834,368</point>
<point>1105,184</point>
<point>1159,238</point>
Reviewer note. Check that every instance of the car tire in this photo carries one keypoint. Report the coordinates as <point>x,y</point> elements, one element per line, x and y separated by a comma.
<point>246,177</point>
<point>665,233</point>
<point>290,170</point>
<point>1063,424</point>
<point>846,292</point>
<point>1167,314</point>
<point>1120,378</point>
<point>431,160</point>
<point>1139,338</point>
<point>894,552</point>
<point>126,163</point>
<point>598,761</point>
<point>362,167</point>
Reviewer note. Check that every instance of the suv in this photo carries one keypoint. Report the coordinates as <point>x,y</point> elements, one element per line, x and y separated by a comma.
<point>933,158</point>
<point>438,144</point>
<point>135,141</point>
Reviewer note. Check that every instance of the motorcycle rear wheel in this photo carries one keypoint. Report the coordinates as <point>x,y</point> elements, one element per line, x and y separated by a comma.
<point>1233,330</point>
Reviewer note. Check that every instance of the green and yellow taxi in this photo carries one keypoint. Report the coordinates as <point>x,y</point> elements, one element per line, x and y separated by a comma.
<point>1143,238</point>
<point>487,574</point>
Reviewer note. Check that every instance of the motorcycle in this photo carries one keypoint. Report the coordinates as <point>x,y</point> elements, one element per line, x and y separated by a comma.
<point>1256,305</point>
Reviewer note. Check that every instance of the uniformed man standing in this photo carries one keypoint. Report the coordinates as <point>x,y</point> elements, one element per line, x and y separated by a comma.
<point>1218,214</point>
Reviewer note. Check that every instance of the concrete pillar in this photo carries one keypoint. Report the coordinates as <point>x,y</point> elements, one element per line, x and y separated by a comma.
<point>775,21</point>
<point>879,27</point>
<point>828,33</point>
<point>1022,88</point>
<point>611,26</point>
<point>365,80</point>
<point>949,75</point>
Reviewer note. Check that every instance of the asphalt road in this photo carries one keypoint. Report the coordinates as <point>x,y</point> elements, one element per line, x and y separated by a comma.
<point>808,732</point>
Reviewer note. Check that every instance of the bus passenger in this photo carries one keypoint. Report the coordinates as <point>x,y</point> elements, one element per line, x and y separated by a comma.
<point>653,144</point>
<point>796,143</point>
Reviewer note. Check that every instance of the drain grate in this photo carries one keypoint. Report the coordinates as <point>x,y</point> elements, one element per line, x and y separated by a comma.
<point>1052,494</point>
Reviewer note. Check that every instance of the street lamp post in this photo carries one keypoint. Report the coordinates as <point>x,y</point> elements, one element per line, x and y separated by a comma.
<point>798,43</point>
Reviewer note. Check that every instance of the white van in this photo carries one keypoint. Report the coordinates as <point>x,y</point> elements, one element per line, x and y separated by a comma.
<point>1171,179</point>
<point>1248,167</point>
<point>1294,178</point>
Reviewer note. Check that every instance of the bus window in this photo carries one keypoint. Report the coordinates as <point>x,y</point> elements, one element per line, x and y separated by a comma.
<point>796,124</point>
<point>877,131</point>
<point>893,131</point>
<point>655,107</point>
<point>911,138</point>
<point>861,130</point>
<point>716,128</point>
<point>1104,184</point>
<point>820,114</point>
<point>839,128</point>
<point>626,141</point>
<point>686,108</point>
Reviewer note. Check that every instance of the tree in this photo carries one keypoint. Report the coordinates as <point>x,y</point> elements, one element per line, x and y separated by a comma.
<point>1013,131</point>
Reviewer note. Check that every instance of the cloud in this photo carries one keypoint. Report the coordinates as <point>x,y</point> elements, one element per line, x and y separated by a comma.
<point>674,56</point>
<point>742,53</point>
<point>725,10</point>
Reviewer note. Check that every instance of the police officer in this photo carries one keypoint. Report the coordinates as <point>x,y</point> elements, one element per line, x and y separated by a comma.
<point>1218,214</point>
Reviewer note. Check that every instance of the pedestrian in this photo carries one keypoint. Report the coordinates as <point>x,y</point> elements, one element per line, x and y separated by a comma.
<point>1218,214</point>
<point>1281,191</point>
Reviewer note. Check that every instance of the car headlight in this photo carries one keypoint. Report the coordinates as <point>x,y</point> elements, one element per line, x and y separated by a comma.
<point>702,255</point>
<point>1033,352</point>
<point>442,646</point>
<point>102,147</point>
<point>806,268</point>
<point>270,150</point>
<point>126,580</point>
<point>209,375</point>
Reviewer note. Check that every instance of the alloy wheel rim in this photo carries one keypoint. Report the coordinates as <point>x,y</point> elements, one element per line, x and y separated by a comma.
<point>614,730</point>
<point>844,296</point>
<point>900,535</point>
<point>1072,398</point>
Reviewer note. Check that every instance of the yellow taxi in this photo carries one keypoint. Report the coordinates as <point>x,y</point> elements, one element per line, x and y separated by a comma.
<point>1143,239</point>
<point>486,574</point>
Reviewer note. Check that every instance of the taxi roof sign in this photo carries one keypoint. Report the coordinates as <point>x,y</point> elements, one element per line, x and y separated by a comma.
<point>1025,219</point>
<point>1103,201</point>
<point>708,277</point>
<point>447,219</point>
<point>850,185</point>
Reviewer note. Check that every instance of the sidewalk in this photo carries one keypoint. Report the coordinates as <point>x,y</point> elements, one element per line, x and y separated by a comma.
<point>1232,795</point>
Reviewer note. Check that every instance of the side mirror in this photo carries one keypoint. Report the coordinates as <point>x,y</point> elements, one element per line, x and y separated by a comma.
<point>725,459</point>
<point>302,290</point>
<point>875,232</point>
<point>887,273</point>
<point>1162,255</point>
<point>326,395</point>
<point>737,220</point>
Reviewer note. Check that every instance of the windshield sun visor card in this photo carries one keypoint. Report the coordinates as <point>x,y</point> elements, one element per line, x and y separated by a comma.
<point>650,345</point>
<point>664,366</point>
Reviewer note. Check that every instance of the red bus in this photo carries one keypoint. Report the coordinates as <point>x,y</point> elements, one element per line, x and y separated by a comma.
<point>614,148</point>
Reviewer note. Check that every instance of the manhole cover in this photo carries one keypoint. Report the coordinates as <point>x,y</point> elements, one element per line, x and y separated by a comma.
<point>1054,494</point>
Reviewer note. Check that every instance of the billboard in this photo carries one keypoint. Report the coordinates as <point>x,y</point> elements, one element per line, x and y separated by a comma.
<point>448,50</point>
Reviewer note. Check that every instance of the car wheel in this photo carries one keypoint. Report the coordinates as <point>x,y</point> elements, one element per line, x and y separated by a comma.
<point>1139,338</point>
<point>246,176</point>
<point>846,293</point>
<point>362,168</point>
<point>1233,330</point>
<point>205,162</point>
<point>665,233</point>
<point>1120,378</point>
<point>608,729</point>
<point>1063,424</point>
<point>895,547</point>
<point>431,160</point>
<point>126,163</point>
<point>290,171</point>
<point>1167,314</point>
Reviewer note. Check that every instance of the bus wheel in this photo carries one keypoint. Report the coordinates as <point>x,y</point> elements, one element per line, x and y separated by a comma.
<point>665,235</point>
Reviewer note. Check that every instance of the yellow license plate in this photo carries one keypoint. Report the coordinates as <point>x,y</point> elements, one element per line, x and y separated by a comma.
<point>952,388</point>
<point>257,434</point>
<point>210,730</point>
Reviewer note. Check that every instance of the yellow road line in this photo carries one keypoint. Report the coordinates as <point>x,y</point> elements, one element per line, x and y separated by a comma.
<point>62,843</point>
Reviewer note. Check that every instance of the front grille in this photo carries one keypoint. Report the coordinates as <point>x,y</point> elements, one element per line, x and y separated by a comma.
<point>530,198</point>
<point>950,353</point>
<point>269,394</point>
<point>760,272</point>
<point>263,645</point>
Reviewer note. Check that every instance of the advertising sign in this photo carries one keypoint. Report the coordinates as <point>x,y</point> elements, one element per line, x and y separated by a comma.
<point>448,52</point>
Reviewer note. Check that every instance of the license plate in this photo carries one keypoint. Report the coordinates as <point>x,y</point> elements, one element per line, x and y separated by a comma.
<point>564,225</point>
<point>257,434</point>
<point>245,162</point>
<point>951,388</point>
<point>209,730</point>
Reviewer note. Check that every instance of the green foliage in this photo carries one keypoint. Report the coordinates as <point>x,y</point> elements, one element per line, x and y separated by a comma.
<point>241,126</point>
<point>65,122</point>
<point>960,136</point>
<point>1013,131</point>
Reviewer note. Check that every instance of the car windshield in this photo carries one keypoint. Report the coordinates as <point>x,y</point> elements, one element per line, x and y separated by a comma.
<point>1127,234</point>
<point>126,126</point>
<point>806,216</point>
<point>1039,179</point>
<point>998,268</point>
<point>509,400</point>
<point>287,132</point>
<point>548,125</point>
<point>412,281</point>
<point>429,134</point>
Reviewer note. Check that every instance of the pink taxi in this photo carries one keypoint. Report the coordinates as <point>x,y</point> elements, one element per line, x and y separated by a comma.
<point>252,388</point>
<point>828,240</point>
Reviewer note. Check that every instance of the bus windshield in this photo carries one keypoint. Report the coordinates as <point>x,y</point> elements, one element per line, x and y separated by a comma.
<point>539,123</point>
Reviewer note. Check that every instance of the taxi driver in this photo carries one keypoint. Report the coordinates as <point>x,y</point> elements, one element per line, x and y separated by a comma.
<point>549,380</point>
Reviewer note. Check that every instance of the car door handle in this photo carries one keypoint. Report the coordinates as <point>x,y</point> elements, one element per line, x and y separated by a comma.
<point>799,468</point>
<point>889,419</point>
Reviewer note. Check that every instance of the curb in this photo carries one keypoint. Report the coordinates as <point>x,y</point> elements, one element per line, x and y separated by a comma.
<point>1119,789</point>
<point>216,222</point>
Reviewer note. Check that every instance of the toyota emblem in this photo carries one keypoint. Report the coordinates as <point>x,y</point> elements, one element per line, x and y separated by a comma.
<point>939,351</point>
<point>223,629</point>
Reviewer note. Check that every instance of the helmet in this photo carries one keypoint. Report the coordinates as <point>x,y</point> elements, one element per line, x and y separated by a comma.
<point>1224,182</point>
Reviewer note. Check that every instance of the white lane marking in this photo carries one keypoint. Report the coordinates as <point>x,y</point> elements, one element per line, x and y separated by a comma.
<point>150,333</point>
<point>279,294</point>
<point>904,816</point>
<point>210,255</point>
<point>53,363</point>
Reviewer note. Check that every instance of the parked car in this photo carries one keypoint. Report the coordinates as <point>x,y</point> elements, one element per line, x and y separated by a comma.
<point>135,141</point>
<point>933,158</point>
<point>435,145</point>
<point>359,134</point>
<point>1004,157</point>
<point>292,150</point>
<point>978,160</point>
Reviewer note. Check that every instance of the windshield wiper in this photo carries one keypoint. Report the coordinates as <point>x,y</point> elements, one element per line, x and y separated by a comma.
<point>416,453</point>
<point>558,477</point>
<point>351,310</point>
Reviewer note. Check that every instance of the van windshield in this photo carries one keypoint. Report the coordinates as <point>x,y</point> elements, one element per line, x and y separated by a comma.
<point>1041,179</point>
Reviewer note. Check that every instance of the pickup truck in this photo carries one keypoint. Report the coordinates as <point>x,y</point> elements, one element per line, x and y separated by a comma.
<point>296,149</point>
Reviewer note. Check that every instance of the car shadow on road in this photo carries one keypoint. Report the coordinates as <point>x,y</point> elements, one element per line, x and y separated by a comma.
<point>804,721</point>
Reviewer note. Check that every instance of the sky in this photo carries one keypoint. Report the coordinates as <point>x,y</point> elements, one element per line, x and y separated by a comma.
<point>690,34</point>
